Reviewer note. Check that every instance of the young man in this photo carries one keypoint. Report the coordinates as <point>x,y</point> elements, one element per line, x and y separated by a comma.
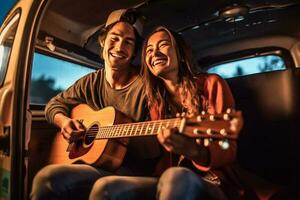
<point>118,85</point>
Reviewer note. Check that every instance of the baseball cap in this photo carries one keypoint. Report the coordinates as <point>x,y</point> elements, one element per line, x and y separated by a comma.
<point>128,15</point>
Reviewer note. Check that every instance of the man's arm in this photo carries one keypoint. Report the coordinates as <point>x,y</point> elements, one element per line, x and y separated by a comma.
<point>83,91</point>
<point>58,109</point>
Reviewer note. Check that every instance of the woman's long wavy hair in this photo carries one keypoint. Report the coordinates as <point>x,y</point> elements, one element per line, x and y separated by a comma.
<point>155,89</point>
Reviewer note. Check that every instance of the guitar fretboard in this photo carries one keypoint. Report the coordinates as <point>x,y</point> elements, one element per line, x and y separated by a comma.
<point>133,129</point>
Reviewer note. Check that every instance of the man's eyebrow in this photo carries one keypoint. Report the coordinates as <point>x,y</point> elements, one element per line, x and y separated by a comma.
<point>131,39</point>
<point>121,35</point>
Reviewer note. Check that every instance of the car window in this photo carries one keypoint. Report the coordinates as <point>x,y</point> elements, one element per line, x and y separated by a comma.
<point>5,7</point>
<point>249,66</point>
<point>52,75</point>
<point>6,41</point>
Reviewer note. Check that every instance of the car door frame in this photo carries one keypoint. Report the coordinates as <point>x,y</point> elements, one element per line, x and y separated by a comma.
<point>19,72</point>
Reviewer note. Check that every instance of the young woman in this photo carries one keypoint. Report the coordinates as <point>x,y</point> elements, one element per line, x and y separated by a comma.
<point>172,87</point>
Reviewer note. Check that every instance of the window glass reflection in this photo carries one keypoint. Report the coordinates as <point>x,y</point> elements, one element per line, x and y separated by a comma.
<point>51,76</point>
<point>249,66</point>
<point>6,41</point>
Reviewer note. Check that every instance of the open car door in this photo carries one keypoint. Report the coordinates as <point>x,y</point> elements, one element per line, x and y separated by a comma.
<point>17,36</point>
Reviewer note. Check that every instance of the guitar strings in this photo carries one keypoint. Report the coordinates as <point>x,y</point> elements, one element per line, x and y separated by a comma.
<point>140,128</point>
<point>133,129</point>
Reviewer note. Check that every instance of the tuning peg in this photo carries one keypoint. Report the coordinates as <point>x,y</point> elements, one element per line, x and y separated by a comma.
<point>198,141</point>
<point>209,131</point>
<point>223,132</point>
<point>177,114</point>
<point>226,117</point>
<point>234,125</point>
<point>229,110</point>
<point>199,118</point>
<point>183,114</point>
<point>203,112</point>
<point>211,117</point>
<point>196,131</point>
<point>224,144</point>
<point>206,142</point>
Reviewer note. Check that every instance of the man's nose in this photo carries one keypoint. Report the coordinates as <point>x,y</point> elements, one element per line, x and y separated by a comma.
<point>119,45</point>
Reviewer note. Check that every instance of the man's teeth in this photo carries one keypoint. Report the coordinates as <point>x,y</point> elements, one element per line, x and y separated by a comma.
<point>117,55</point>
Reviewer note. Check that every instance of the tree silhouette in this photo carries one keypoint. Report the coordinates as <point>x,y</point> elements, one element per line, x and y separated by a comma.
<point>42,90</point>
<point>239,71</point>
<point>271,64</point>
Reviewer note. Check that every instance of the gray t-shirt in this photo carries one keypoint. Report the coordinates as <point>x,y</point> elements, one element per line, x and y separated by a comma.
<point>94,90</point>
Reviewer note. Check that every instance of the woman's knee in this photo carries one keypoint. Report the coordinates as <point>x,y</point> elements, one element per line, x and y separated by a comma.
<point>180,183</point>
<point>180,175</point>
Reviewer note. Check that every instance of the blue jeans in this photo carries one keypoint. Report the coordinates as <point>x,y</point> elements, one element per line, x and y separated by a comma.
<point>175,183</point>
<point>65,182</point>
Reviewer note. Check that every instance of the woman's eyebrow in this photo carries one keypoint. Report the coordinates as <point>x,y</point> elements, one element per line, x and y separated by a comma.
<point>160,41</point>
<point>164,40</point>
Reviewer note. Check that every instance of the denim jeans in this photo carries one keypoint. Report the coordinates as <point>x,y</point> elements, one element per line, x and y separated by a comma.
<point>175,183</point>
<point>65,182</point>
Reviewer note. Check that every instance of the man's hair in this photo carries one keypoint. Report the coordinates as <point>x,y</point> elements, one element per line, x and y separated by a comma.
<point>130,16</point>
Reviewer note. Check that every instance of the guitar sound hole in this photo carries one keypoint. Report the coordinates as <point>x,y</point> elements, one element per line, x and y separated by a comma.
<point>91,134</point>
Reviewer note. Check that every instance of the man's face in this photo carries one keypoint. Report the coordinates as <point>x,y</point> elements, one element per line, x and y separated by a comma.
<point>118,47</point>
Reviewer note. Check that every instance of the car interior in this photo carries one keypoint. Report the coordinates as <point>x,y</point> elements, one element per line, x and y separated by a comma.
<point>218,31</point>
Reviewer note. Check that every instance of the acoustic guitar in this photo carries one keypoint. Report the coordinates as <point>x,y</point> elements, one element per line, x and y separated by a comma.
<point>108,132</point>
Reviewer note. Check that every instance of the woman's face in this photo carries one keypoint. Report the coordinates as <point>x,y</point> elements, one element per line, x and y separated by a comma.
<point>161,57</point>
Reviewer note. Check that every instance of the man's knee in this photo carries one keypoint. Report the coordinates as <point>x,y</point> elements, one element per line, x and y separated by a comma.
<point>105,188</point>
<point>43,182</point>
<point>50,173</point>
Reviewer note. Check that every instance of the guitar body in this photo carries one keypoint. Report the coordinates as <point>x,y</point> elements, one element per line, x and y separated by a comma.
<point>94,148</point>
<point>105,153</point>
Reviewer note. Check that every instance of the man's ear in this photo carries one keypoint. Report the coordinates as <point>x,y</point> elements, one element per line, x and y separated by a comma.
<point>101,43</point>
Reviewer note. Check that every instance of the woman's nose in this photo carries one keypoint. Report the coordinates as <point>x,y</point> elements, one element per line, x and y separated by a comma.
<point>156,52</point>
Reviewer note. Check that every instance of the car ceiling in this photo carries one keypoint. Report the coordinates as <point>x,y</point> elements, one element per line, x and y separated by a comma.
<point>73,25</point>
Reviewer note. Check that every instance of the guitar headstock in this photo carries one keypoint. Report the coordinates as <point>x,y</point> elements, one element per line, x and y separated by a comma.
<point>207,127</point>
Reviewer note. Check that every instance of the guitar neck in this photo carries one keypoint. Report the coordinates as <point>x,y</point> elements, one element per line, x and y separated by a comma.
<point>147,128</point>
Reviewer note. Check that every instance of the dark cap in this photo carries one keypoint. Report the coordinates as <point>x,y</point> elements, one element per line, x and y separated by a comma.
<point>127,15</point>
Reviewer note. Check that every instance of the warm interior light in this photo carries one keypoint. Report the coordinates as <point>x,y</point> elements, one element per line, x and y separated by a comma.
<point>233,11</point>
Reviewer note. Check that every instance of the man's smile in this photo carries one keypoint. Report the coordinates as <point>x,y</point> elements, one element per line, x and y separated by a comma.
<point>118,55</point>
